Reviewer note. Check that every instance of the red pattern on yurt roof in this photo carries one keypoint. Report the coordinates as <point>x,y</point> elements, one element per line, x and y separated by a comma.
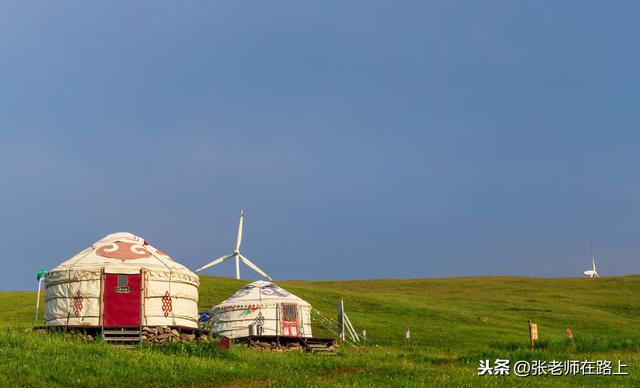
<point>123,251</point>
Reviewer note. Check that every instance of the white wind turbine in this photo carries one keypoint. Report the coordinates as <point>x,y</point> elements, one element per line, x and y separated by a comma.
<point>592,272</point>
<point>237,255</point>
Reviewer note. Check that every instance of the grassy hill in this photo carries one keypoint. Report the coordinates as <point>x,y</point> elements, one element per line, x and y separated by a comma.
<point>454,323</point>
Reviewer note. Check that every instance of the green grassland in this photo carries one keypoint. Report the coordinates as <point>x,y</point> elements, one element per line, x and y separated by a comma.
<point>454,323</point>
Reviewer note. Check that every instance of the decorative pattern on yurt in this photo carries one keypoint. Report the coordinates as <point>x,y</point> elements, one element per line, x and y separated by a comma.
<point>79,291</point>
<point>273,311</point>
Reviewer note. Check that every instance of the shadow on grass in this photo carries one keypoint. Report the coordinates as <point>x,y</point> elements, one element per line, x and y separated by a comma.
<point>203,350</point>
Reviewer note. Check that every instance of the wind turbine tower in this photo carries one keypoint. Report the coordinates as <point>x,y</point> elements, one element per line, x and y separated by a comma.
<point>591,273</point>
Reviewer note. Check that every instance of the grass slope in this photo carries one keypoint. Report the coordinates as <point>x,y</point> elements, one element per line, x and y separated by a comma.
<point>454,323</point>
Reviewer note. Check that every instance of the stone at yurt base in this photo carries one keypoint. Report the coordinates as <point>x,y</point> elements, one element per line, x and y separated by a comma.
<point>162,334</point>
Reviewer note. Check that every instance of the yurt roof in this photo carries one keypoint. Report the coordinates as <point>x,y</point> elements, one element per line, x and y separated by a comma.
<point>123,253</point>
<point>260,292</point>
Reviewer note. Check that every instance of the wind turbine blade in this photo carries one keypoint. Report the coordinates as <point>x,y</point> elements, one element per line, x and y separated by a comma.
<point>240,230</point>
<point>254,267</point>
<point>593,260</point>
<point>216,261</point>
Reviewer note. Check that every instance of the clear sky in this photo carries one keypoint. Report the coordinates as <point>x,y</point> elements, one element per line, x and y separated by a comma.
<point>364,139</point>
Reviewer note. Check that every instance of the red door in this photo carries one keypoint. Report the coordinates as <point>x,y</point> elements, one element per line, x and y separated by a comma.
<point>121,300</point>
<point>289,320</point>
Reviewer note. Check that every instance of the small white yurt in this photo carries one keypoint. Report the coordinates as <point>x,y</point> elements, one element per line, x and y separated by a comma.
<point>121,281</point>
<point>271,310</point>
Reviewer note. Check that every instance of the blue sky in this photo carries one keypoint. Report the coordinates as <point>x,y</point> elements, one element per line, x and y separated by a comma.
<point>364,139</point>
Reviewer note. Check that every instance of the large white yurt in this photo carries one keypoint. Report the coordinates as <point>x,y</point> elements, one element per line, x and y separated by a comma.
<point>273,310</point>
<point>121,281</point>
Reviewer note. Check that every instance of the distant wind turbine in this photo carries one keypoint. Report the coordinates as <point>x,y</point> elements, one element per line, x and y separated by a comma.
<point>237,255</point>
<point>592,273</point>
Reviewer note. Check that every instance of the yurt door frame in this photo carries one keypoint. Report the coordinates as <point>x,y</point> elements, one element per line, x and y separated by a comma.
<point>122,300</point>
<point>290,320</point>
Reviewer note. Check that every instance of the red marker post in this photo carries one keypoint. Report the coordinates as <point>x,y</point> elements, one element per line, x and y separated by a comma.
<point>570,336</point>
